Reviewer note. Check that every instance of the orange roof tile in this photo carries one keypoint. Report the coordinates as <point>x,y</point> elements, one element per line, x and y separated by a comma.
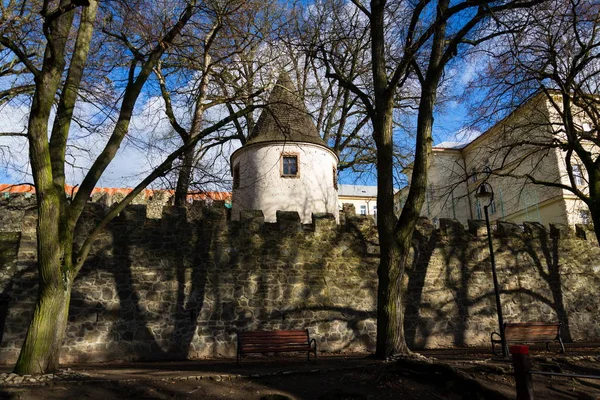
<point>112,191</point>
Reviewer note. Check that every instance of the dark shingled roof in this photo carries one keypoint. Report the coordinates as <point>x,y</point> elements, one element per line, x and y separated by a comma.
<point>285,117</point>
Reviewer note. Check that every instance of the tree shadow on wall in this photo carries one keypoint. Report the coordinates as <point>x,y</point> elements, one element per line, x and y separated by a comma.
<point>193,250</point>
<point>130,330</point>
<point>332,288</point>
<point>19,291</point>
<point>158,283</point>
<point>460,278</point>
<point>262,277</point>
<point>421,317</point>
<point>549,270</point>
<point>424,242</point>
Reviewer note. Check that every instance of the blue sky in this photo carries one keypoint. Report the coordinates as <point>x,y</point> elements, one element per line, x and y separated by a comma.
<point>448,121</point>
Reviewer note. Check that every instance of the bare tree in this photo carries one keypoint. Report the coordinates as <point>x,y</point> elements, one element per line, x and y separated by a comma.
<point>552,68</point>
<point>211,49</point>
<point>65,73</point>
<point>409,40</point>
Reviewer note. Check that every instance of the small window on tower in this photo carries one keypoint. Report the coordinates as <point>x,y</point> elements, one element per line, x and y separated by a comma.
<point>335,179</point>
<point>236,177</point>
<point>289,165</point>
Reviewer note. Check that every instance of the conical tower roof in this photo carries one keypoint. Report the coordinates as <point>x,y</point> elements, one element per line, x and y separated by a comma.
<point>285,117</point>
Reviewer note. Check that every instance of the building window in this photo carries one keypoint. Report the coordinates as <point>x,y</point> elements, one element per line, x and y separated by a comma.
<point>577,175</point>
<point>335,179</point>
<point>493,207</point>
<point>473,176</point>
<point>289,165</point>
<point>431,193</point>
<point>236,177</point>
<point>363,210</point>
<point>584,216</point>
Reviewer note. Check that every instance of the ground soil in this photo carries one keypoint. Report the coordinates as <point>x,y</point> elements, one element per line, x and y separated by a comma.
<point>453,374</point>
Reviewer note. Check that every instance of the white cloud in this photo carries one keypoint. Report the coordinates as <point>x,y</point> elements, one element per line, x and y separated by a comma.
<point>466,135</point>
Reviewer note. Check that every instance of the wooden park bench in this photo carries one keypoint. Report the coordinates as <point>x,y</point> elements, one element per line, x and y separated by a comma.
<point>529,332</point>
<point>275,342</point>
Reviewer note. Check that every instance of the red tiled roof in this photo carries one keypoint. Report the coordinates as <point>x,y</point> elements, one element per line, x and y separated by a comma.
<point>112,191</point>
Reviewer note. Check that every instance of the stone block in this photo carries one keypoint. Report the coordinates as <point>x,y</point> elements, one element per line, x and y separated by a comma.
<point>507,229</point>
<point>584,231</point>
<point>451,227</point>
<point>134,212</point>
<point>103,199</point>
<point>360,222</point>
<point>425,227</point>
<point>288,221</point>
<point>252,220</point>
<point>348,209</point>
<point>535,229</point>
<point>477,227</point>
<point>216,211</point>
<point>560,231</point>
<point>323,222</point>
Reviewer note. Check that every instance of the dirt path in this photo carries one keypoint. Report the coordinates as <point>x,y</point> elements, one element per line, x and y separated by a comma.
<point>454,374</point>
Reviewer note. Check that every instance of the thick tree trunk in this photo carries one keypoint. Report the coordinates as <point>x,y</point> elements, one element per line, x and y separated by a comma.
<point>594,207</point>
<point>40,353</point>
<point>184,178</point>
<point>390,310</point>
<point>594,195</point>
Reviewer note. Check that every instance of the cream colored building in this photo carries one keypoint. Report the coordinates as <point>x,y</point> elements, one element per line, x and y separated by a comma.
<point>363,198</point>
<point>284,165</point>
<point>458,169</point>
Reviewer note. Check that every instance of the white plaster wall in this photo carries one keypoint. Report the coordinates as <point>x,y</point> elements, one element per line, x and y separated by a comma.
<point>263,188</point>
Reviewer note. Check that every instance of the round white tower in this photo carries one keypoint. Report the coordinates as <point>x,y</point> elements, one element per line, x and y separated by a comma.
<point>284,165</point>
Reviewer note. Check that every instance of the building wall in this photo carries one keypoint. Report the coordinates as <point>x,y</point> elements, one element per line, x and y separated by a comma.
<point>446,188</point>
<point>515,196</point>
<point>263,188</point>
<point>181,286</point>
<point>369,203</point>
<point>516,199</point>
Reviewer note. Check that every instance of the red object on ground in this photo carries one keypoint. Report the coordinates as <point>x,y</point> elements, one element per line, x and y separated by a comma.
<point>519,349</point>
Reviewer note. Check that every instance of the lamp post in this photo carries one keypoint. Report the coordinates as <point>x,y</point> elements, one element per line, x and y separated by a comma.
<point>486,193</point>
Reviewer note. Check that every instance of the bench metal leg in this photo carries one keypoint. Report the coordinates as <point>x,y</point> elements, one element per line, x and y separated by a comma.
<point>562,346</point>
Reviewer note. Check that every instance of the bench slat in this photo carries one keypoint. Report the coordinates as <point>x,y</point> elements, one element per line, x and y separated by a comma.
<point>273,333</point>
<point>274,349</point>
<point>530,332</point>
<point>275,342</point>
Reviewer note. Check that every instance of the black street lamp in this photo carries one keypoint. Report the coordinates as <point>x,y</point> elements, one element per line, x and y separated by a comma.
<point>485,193</point>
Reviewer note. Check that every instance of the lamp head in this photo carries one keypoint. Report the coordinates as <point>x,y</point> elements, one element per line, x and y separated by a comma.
<point>485,193</point>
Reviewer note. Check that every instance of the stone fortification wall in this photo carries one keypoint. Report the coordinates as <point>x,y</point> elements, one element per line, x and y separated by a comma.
<point>544,276</point>
<point>183,284</point>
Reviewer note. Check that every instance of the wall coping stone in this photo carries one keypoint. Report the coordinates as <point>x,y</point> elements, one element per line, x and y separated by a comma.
<point>323,221</point>
<point>451,227</point>
<point>506,229</point>
<point>560,231</point>
<point>477,227</point>
<point>535,229</point>
<point>288,221</point>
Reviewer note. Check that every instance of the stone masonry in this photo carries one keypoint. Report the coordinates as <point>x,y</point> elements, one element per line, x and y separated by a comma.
<point>182,285</point>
